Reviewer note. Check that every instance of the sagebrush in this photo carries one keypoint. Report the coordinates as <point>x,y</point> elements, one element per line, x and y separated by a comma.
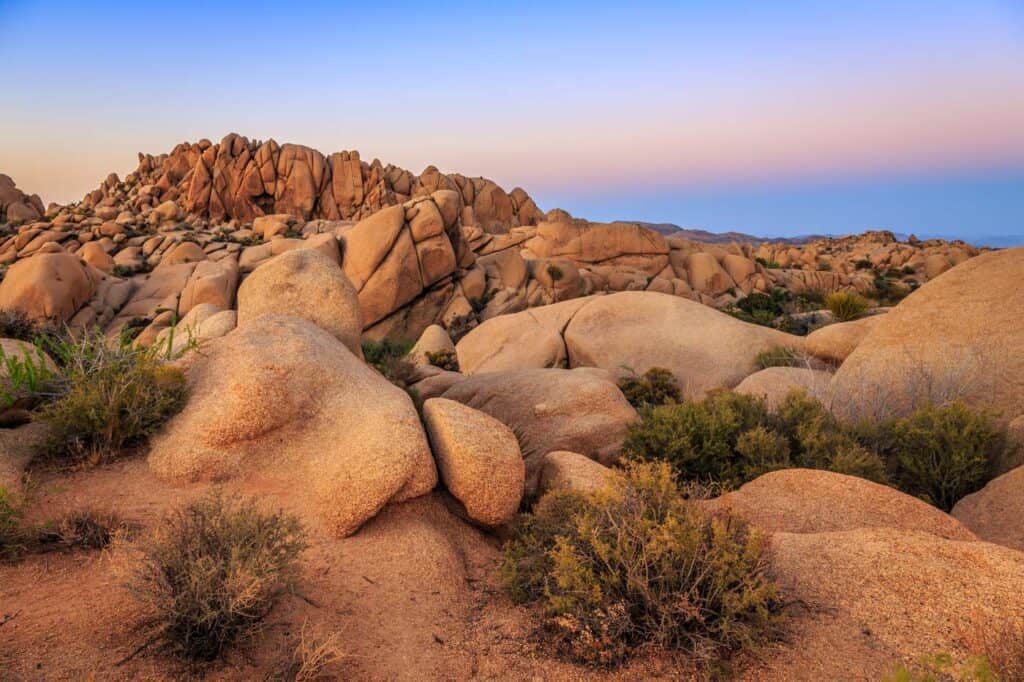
<point>729,438</point>
<point>656,386</point>
<point>637,564</point>
<point>109,397</point>
<point>212,572</point>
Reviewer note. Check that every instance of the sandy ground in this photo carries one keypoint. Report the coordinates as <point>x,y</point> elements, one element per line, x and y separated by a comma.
<point>414,595</point>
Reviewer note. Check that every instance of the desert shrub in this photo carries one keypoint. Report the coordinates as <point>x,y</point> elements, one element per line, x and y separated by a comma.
<point>941,453</point>
<point>313,658</point>
<point>770,264</point>
<point>83,529</point>
<point>818,441</point>
<point>109,397</point>
<point>637,564</point>
<point>656,386</point>
<point>378,353</point>
<point>773,303</point>
<point>730,439</point>
<point>28,378</point>
<point>779,356</point>
<point>213,571</point>
<point>698,438</point>
<point>846,305</point>
<point>445,358</point>
<point>122,270</point>
<point>824,266</point>
<point>864,264</point>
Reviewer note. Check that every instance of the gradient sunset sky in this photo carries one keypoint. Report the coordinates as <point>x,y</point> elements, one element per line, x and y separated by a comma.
<point>768,118</point>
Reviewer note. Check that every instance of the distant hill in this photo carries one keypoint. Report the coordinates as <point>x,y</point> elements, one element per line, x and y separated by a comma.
<point>706,237</point>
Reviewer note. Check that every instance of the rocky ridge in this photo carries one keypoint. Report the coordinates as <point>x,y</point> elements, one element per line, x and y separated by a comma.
<point>185,229</point>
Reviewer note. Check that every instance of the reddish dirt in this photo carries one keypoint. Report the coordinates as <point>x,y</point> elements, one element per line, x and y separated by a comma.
<point>413,595</point>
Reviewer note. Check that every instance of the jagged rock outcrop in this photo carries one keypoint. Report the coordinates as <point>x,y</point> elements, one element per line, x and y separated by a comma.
<point>186,227</point>
<point>15,206</point>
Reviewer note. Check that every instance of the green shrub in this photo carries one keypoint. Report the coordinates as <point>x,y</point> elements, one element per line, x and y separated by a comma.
<point>698,438</point>
<point>818,441</point>
<point>464,324</point>
<point>446,359</point>
<point>109,397</point>
<point>941,453</point>
<point>638,565</point>
<point>730,439</point>
<point>378,353</point>
<point>780,356</point>
<point>27,378</point>
<point>864,264</point>
<point>770,264</point>
<point>213,571</point>
<point>846,305</point>
<point>656,386</point>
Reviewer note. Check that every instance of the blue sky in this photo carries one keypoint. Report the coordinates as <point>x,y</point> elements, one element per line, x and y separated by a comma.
<point>774,118</point>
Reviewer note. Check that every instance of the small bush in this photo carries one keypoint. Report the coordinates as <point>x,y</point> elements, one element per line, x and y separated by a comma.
<point>213,571</point>
<point>699,438</point>
<point>446,359</point>
<point>656,386</point>
<point>864,264</point>
<point>379,353</point>
<point>638,565</point>
<point>314,658</point>
<point>121,270</point>
<point>26,379</point>
<point>109,397</point>
<point>86,529</point>
<point>846,305</point>
<point>770,264</point>
<point>15,324</point>
<point>941,453</point>
<point>780,356</point>
<point>730,439</point>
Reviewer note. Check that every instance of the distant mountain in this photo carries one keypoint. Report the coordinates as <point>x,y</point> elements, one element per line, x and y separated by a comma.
<point>725,237</point>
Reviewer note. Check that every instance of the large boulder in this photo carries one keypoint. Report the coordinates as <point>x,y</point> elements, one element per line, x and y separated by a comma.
<point>996,512</point>
<point>478,460</point>
<point>579,410</point>
<point>959,335</point>
<point>304,283</point>
<point>812,501</point>
<point>47,286</point>
<point>529,339</point>
<point>835,342</point>
<point>875,597</point>
<point>775,383</point>
<point>281,398</point>
<point>638,330</point>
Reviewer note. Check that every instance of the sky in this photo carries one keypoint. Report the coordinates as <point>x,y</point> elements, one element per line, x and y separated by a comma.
<point>774,118</point>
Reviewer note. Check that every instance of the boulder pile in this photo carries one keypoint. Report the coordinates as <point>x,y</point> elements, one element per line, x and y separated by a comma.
<point>187,227</point>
